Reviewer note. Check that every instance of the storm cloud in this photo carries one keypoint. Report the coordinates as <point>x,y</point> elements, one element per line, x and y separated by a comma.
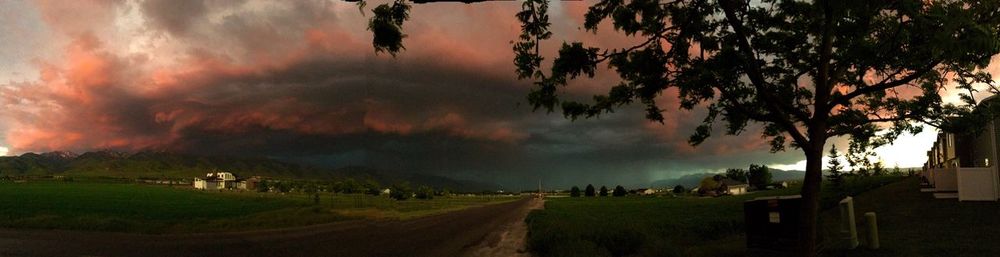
<point>299,80</point>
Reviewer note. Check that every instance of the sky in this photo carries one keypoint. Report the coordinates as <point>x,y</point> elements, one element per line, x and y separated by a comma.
<point>299,80</point>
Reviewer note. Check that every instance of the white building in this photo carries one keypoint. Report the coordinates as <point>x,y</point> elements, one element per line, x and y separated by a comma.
<point>964,166</point>
<point>216,181</point>
<point>734,187</point>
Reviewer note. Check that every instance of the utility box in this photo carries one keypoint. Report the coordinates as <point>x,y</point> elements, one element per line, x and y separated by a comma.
<point>772,225</point>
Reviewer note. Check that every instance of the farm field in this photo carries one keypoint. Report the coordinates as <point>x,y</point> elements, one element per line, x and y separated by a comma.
<point>121,207</point>
<point>655,226</point>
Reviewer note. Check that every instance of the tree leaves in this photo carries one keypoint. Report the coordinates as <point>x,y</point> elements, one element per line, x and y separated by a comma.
<point>762,63</point>
<point>386,25</point>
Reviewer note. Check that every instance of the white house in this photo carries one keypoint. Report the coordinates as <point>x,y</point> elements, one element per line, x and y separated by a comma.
<point>734,187</point>
<point>216,181</point>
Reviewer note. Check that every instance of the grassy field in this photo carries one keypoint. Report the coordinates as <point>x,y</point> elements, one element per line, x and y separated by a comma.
<point>655,226</point>
<point>125,207</point>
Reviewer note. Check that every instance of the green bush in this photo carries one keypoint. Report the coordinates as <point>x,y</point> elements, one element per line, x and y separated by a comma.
<point>400,191</point>
<point>425,193</point>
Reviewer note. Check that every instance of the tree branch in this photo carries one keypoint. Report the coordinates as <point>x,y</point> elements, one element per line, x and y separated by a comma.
<point>823,85</point>
<point>756,77</point>
<point>843,100</point>
<point>440,1</point>
<point>605,56</point>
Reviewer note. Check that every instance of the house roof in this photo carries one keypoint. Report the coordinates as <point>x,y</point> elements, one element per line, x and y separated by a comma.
<point>732,182</point>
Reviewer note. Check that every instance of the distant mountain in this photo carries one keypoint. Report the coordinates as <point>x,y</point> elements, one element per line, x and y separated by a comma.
<point>155,164</point>
<point>692,180</point>
<point>688,181</point>
<point>386,177</point>
<point>147,164</point>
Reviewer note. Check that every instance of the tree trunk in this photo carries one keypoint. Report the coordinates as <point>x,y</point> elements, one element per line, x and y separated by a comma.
<point>809,218</point>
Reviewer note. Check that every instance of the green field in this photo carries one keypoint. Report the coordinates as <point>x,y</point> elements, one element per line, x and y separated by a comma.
<point>654,226</point>
<point>125,207</point>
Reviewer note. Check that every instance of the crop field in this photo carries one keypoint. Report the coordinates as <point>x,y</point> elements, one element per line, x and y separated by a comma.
<point>125,207</point>
<point>655,226</point>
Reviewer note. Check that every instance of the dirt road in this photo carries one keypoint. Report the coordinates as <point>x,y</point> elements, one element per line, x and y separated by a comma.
<point>509,240</point>
<point>465,232</point>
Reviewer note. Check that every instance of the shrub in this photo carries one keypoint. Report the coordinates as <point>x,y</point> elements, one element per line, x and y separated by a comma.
<point>574,192</point>
<point>262,186</point>
<point>679,189</point>
<point>400,191</point>
<point>708,184</point>
<point>425,193</point>
<point>589,192</point>
<point>603,191</point>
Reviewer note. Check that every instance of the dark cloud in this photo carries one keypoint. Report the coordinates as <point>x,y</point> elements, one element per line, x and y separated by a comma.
<point>173,16</point>
<point>321,96</point>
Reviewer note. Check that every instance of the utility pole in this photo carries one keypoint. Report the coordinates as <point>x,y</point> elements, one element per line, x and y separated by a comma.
<point>540,195</point>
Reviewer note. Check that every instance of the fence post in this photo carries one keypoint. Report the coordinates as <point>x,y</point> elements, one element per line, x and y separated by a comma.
<point>872,230</point>
<point>848,229</point>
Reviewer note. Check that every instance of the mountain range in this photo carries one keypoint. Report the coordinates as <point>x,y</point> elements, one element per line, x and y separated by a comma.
<point>155,164</point>
<point>692,180</point>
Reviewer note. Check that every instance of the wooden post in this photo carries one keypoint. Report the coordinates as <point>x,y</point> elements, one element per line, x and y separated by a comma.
<point>872,230</point>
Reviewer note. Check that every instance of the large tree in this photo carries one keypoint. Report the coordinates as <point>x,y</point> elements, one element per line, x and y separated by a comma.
<point>759,176</point>
<point>737,174</point>
<point>805,71</point>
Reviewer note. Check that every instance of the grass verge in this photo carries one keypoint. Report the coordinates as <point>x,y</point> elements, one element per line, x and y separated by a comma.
<point>657,226</point>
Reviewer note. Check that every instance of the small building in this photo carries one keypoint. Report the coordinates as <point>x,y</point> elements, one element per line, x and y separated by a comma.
<point>216,181</point>
<point>733,187</point>
<point>250,183</point>
<point>646,191</point>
